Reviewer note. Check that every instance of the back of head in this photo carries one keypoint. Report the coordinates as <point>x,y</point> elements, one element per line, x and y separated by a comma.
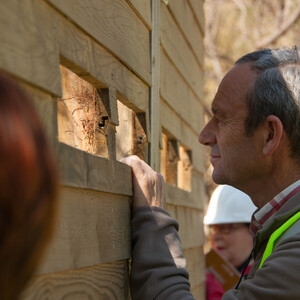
<point>28,184</point>
<point>276,91</point>
<point>229,205</point>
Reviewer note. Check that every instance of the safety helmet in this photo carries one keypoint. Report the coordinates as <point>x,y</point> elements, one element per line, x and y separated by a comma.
<point>229,205</point>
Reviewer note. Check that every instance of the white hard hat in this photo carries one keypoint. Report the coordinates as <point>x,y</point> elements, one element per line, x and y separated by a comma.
<point>229,205</point>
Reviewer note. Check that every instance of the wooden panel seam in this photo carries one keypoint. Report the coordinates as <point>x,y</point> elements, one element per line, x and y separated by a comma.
<point>84,170</point>
<point>134,54</point>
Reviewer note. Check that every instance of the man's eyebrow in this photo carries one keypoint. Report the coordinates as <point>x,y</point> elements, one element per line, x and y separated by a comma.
<point>218,112</point>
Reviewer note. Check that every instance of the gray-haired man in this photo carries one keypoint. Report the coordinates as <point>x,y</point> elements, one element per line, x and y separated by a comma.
<point>254,136</point>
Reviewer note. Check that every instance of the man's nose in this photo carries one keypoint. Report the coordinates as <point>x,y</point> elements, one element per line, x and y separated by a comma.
<point>206,136</point>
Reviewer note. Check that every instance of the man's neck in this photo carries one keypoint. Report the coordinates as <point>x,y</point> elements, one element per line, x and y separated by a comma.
<point>262,192</point>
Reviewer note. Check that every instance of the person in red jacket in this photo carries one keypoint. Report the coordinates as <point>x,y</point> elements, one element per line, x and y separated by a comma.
<point>228,218</point>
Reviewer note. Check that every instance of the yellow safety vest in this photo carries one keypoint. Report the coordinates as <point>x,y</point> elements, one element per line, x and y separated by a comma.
<point>276,234</point>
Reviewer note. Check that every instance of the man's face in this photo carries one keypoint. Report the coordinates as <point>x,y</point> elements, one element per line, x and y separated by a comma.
<point>234,155</point>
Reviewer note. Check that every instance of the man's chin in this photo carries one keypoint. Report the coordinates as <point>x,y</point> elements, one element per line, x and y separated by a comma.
<point>219,178</point>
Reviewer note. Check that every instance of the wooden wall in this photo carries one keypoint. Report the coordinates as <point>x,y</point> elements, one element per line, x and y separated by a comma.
<point>111,78</point>
<point>182,117</point>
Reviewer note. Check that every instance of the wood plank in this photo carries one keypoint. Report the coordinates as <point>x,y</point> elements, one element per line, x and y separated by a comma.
<point>109,70</point>
<point>172,210</point>
<point>178,94</point>
<point>169,159</point>
<point>195,265</point>
<point>179,52</point>
<point>183,133</point>
<point>109,281</point>
<point>186,19</point>
<point>155,89</point>
<point>83,116</point>
<point>115,26</point>
<point>185,169</point>
<point>191,226</point>
<point>46,107</point>
<point>27,48</point>
<point>124,134</point>
<point>177,196</point>
<point>198,291</point>
<point>93,172</point>
<point>81,54</point>
<point>143,10</point>
<point>198,9</point>
<point>92,228</point>
<point>75,47</point>
<point>198,188</point>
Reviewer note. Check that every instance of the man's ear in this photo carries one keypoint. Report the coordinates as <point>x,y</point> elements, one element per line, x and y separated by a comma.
<point>273,129</point>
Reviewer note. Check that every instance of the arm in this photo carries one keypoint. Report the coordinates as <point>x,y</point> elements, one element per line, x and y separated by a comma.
<point>158,266</point>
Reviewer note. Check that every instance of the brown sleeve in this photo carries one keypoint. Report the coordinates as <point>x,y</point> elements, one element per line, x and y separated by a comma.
<point>158,266</point>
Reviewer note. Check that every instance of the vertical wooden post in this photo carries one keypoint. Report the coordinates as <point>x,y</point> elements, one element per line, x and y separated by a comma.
<point>154,90</point>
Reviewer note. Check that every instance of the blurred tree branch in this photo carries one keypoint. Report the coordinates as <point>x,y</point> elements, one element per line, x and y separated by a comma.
<point>274,36</point>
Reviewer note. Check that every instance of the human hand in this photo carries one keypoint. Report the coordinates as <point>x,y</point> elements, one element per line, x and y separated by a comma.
<point>148,185</point>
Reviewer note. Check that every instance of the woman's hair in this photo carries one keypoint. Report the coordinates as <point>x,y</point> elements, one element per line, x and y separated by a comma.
<point>28,187</point>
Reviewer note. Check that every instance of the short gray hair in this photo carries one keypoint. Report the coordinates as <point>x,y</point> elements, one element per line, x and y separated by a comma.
<point>276,91</point>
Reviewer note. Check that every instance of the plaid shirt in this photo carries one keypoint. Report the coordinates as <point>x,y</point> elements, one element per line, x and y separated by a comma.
<point>269,209</point>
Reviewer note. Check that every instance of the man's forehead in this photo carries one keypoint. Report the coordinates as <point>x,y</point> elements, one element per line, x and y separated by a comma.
<point>234,87</point>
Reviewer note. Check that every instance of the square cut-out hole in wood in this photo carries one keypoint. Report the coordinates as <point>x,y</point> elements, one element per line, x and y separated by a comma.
<point>175,163</point>
<point>82,117</point>
<point>131,138</point>
<point>184,168</point>
<point>169,157</point>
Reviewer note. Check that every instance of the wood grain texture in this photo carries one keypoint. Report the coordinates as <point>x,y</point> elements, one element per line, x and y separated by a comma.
<point>198,188</point>
<point>198,291</point>
<point>183,133</point>
<point>84,56</point>
<point>109,70</point>
<point>186,19</point>
<point>131,138</point>
<point>124,134</point>
<point>193,199</point>
<point>143,10</point>
<point>92,228</point>
<point>171,209</point>
<point>82,115</point>
<point>198,9</point>
<point>27,51</point>
<point>179,51</point>
<point>169,160</point>
<point>155,89</point>
<point>46,107</point>
<point>191,226</point>
<point>84,170</point>
<point>195,265</point>
<point>108,281</point>
<point>115,26</point>
<point>185,169</point>
<point>177,196</point>
<point>178,94</point>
